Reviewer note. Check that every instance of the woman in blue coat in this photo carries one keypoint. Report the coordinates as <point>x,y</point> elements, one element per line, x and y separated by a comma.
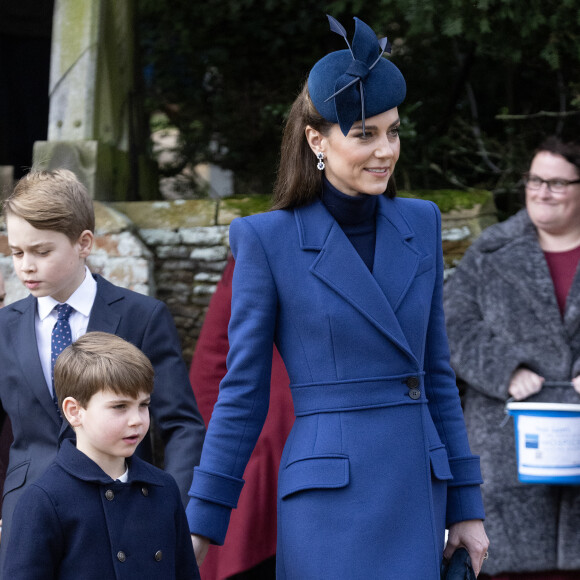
<point>346,279</point>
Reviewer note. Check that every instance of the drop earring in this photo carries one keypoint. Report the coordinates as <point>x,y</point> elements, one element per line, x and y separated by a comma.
<point>320,165</point>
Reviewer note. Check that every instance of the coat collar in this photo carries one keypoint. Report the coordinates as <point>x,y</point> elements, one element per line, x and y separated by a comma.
<point>572,312</point>
<point>103,318</point>
<point>315,222</point>
<point>375,295</point>
<point>519,259</point>
<point>82,467</point>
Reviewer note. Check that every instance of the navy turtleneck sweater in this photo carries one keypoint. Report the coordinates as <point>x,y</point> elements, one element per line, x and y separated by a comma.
<point>356,217</point>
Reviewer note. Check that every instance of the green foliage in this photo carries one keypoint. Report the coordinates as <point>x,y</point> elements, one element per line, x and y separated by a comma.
<point>225,74</point>
<point>487,80</point>
<point>451,199</point>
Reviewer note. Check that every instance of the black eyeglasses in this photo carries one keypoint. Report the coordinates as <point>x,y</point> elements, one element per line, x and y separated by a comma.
<point>554,185</point>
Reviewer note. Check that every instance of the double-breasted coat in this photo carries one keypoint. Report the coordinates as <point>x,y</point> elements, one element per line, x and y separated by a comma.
<point>76,522</point>
<point>377,461</point>
<point>502,313</point>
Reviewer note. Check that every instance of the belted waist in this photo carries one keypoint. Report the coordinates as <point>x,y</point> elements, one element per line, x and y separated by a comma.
<point>357,394</point>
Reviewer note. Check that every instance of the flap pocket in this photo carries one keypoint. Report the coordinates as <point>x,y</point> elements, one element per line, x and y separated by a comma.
<point>440,463</point>
<point>314,472</point>
<point>16,477</point>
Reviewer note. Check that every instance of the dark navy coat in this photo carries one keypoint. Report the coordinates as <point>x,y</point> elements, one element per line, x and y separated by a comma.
<point>378,462</point>
<point>76,523</point>
<point>24,395</point>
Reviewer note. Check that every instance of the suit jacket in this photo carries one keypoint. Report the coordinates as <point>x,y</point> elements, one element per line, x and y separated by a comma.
<point>25,398</point>
<point>377,461</point>
<point>502,313</point>
<point>131,530</point>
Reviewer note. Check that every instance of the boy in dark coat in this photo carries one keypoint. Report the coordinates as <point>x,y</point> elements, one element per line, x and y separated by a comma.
<point>98,511</point>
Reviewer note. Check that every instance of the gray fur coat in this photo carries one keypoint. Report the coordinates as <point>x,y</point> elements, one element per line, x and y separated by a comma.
<point>502,313</point>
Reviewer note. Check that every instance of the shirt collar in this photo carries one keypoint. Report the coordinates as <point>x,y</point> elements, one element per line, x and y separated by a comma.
<point>81,300</point>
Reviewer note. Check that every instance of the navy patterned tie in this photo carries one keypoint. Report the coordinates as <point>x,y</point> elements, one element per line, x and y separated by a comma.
<point>61,338</point>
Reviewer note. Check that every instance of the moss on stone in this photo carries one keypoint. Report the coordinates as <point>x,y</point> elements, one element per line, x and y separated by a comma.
<point>248,205</point>
<point>451,199</point>
<point>446,199</point>
<point>169,214</point>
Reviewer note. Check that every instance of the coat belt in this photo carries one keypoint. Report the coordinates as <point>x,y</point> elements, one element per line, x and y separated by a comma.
<point>357,394</point>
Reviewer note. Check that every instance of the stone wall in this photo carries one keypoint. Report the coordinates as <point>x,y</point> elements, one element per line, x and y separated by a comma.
<point>177,250</point>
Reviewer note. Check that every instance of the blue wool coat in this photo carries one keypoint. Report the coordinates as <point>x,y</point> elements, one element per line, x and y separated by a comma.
<point>75,522</point>
<point>378,461</point>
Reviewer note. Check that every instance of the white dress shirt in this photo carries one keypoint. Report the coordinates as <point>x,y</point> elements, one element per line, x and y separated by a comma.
<point>82,302</point>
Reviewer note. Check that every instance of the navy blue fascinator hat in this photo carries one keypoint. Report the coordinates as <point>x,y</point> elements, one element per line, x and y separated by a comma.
<point>351,85</point>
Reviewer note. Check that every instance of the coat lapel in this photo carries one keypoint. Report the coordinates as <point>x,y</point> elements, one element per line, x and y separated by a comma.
<point>572,313</point>
<point>396,261</point>
<point>339,266</point>
<point>24,336</point>
<point>531,280</point>
<point>103,318</point>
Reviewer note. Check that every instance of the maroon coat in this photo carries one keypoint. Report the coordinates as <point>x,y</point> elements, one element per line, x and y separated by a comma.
<point>251,536</point>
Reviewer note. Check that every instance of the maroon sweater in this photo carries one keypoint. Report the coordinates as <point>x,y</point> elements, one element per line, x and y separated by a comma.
<point>563,266</point>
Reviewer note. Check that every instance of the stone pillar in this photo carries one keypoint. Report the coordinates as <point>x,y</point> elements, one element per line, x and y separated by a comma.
<point>6,181</point>
<point>95,127</point>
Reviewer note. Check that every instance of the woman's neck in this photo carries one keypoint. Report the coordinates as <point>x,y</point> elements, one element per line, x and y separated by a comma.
<point>553,242</point>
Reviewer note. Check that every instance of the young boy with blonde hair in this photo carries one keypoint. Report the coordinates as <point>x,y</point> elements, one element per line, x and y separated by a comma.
<point>50,224</point>
<point>98,511</point>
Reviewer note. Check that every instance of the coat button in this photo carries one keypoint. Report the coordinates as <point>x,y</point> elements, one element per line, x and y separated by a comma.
<point>109,494</point>
<point>121,556</point>
<point>145,491</point>
<point>415,393</point>
<point>158,555</point>
<point>413,382</point>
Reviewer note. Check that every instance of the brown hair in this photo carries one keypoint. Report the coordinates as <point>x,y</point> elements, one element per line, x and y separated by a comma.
<point>299,182</point>
<point>52,200</point>
<point>99,361</point>
<point>569,150</point>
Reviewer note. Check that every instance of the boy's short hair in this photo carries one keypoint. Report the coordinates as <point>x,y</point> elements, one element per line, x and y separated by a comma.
<point>98,361</point>
<point>53,200</point>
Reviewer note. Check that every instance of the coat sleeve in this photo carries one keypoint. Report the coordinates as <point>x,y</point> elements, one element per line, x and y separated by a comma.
<point>464,500</point>
<point>242,405</point>
<point>36,543</point>
<point>479,354</point>
<point>173,404</point>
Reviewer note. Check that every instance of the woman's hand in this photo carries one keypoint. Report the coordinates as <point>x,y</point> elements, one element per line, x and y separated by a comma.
<point>471,535</point>
<point>200,547</point>
<point>525,383</point>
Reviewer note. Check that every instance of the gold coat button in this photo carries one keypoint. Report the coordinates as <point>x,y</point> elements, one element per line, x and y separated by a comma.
<point>121,556</point>
<point>158,555</point>
<point>110,495</point>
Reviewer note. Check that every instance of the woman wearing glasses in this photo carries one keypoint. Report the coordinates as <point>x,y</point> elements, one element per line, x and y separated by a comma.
<point>513,319</point>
